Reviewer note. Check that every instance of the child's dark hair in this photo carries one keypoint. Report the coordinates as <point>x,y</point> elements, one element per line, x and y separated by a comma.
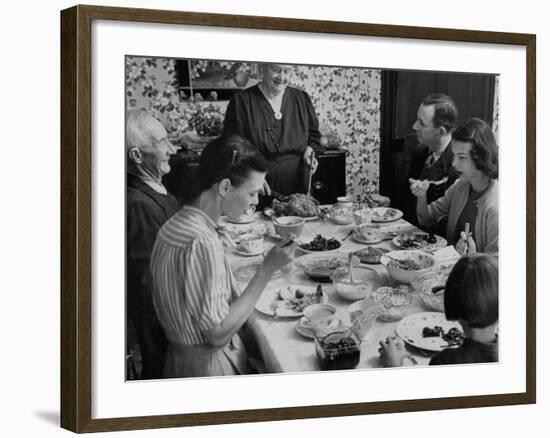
<point>484,145</point>
<point>230,157</point>
<point>471,291</point>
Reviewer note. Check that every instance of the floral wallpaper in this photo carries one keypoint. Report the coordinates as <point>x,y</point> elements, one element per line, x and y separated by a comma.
<point>496,110</point>
<point>347,101</point>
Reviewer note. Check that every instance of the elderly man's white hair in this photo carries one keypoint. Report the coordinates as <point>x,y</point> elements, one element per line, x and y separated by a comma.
<point>138,126</point>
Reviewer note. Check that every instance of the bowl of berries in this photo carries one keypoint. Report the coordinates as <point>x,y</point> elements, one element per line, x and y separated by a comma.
<point>319,244</point>
<point>338,349</point>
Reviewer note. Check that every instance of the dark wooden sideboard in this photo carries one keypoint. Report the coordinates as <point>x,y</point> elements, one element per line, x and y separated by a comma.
<point>328,182</point>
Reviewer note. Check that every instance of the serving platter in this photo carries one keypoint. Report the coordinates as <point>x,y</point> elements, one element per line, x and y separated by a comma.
<point>270,213</point>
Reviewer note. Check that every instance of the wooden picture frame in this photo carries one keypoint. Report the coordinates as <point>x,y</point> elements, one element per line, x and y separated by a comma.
<point>76,217</point>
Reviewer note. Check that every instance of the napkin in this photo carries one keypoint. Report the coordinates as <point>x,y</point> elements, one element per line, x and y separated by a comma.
<point>447,254</point>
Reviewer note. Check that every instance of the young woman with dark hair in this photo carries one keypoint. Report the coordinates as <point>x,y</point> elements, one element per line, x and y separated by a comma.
<point>473,198</point>
<point>195,295</point>
<point>471,297</point>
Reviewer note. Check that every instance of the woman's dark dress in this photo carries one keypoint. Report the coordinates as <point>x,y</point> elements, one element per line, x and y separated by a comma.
<point>281,142</point>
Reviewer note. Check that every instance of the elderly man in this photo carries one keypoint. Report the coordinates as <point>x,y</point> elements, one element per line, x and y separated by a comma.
<point>433,158</point>
<point>148,207</point>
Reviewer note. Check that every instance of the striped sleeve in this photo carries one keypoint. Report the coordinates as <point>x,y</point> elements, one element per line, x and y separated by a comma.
<point>204,281</point>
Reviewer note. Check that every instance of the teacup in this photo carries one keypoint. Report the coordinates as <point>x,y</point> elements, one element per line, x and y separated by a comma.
<point>251,243</point>
<point>344,201</point>
<point>362,216</point>
<point>368,232</point>
<point>319,316</point>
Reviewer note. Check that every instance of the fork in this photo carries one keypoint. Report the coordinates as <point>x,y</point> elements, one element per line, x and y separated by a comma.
<point>441,181</point>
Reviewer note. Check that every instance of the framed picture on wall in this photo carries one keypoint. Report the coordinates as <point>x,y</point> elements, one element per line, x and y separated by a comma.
<point>121,63</point>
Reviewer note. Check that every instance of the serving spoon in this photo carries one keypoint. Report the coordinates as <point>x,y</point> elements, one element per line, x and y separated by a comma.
<point>350,262</point>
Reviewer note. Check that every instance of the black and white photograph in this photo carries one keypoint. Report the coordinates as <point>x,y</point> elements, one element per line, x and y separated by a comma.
<point>298,218</point>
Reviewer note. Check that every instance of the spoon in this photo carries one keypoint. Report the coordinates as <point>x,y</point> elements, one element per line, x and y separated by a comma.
<point>350,261</point>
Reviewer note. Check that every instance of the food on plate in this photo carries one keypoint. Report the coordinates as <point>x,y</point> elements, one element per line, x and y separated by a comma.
<point>429,332</point>
<point>320,243</point>
<point>381,214</point>
<point>376,200</point>
<point>410,240</point>
<point>407,265</point>
<point>297,204</point>
<point>327,264</point>
<point>370,254</point>
<point>453,337</point>
<point>297,299</point>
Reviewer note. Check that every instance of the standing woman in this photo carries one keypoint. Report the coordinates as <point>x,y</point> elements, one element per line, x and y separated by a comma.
<point>195,295</point>
<point>473,198</point>
<point>281,122</point>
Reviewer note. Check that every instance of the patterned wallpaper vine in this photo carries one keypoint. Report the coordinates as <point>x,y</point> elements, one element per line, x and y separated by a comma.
<point>347,101</point>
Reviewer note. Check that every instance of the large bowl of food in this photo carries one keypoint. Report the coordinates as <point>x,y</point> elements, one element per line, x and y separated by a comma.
<point>404,265</point>
<point>320,266</point>
<point>431,287</point>
<point>288,225</point>
<point>362,283</point>
<point>319,244</point>
<point>297,204</point>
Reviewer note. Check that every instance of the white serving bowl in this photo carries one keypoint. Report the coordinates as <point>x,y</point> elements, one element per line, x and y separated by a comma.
<point>405,275</point>
<point>287,225</point>
<point>321,265</point>
<point>365,281</point>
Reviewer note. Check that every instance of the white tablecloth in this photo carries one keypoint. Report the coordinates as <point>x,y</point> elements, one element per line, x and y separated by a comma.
<point>282,347</point>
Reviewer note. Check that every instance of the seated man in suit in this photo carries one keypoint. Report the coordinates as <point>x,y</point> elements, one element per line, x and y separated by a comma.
<point>148,207</point>
<point>432,160</point>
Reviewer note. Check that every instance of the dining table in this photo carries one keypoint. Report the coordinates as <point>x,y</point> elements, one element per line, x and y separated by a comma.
<point>283,348</point>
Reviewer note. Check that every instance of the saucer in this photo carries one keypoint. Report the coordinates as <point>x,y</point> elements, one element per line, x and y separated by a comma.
<point>304,331</point>
<point>239,251</point>
<point>245,220</point>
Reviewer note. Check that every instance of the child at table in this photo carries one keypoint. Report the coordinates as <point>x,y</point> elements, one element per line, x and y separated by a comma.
<point>471,297</point>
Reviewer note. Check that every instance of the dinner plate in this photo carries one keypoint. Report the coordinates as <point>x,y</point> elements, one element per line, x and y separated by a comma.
<point>239,251</point>
<point>410,330</point>
<point>379,212</point>
<point>362,239</point>
<point>270,302</point>
<point>269,212</point>
<point>246,220</point>
<point>245,270</point>
<point>440,242</point>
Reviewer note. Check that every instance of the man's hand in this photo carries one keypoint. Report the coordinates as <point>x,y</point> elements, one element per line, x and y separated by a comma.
<point>419,188</point>
<point>310,160</point>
